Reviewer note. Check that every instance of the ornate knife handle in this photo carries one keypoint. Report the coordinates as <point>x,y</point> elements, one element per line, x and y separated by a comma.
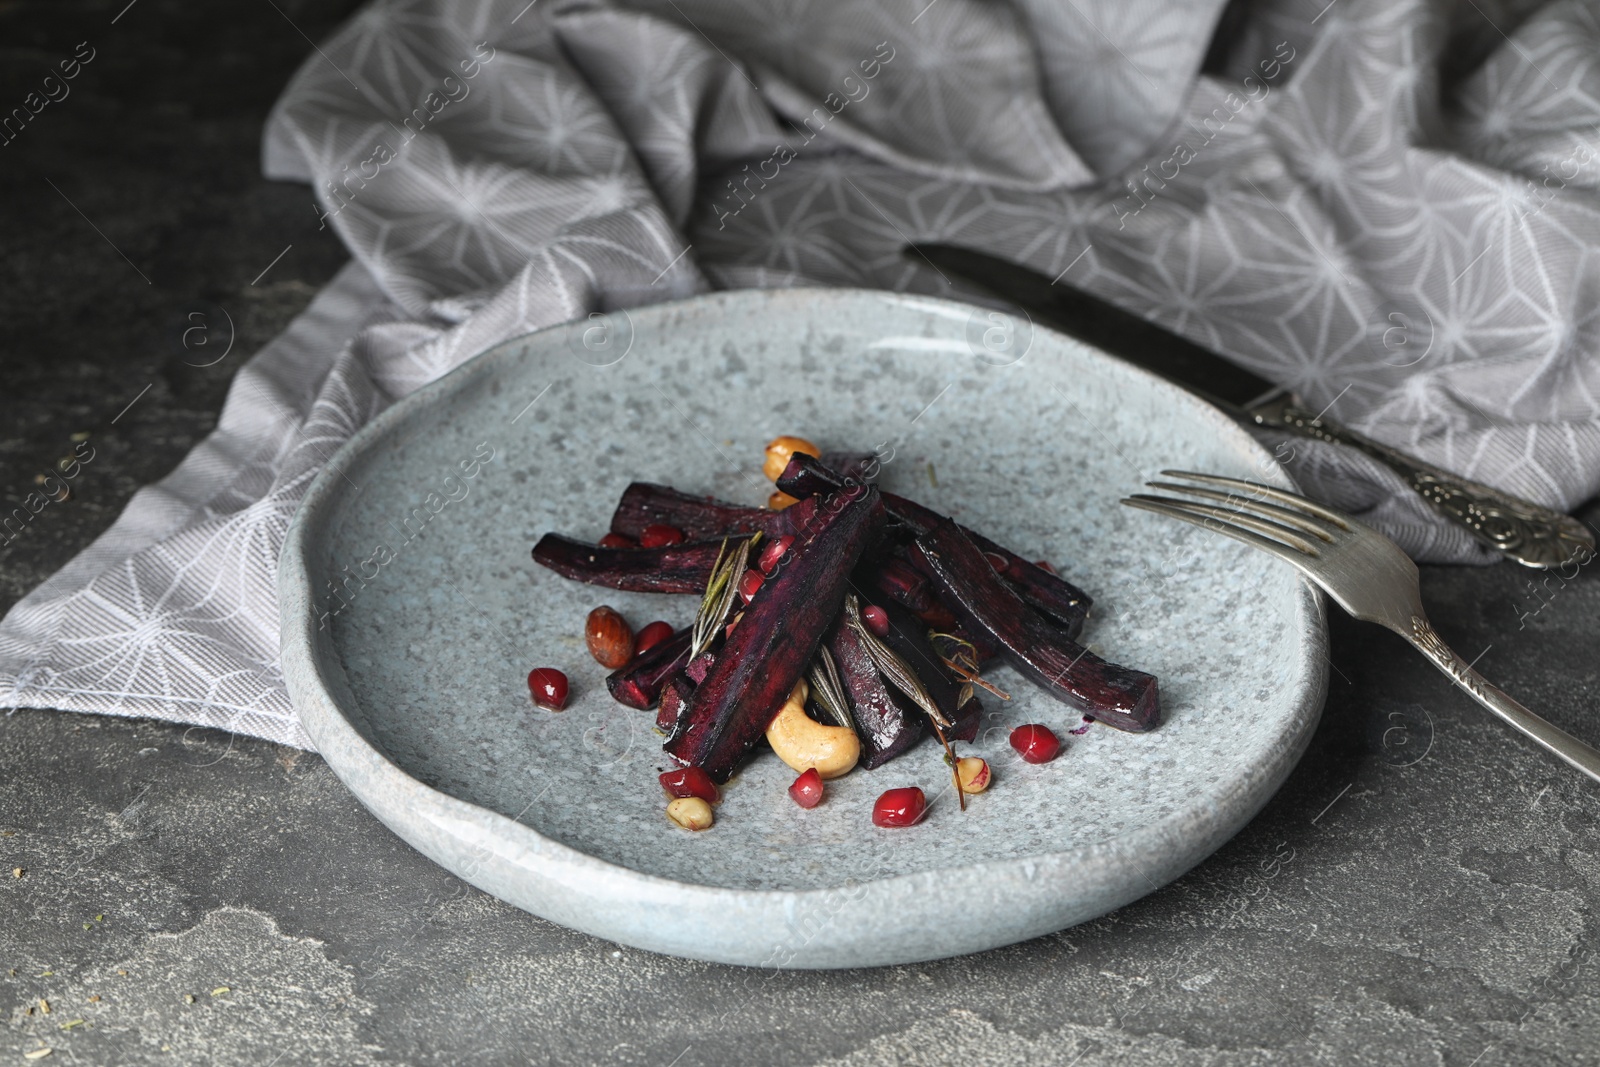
<point>1532,535</point>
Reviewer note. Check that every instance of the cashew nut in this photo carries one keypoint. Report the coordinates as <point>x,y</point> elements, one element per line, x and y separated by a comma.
<point>802,742</point>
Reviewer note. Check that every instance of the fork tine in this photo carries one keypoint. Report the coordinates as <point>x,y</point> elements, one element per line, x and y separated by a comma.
<point>1235,524</point>
<point>1290,517</point>
<point>1292,500</point>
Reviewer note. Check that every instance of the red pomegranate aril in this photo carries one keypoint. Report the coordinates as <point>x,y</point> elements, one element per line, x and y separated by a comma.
<point>768,562</point>
<point>899,807</point>
<point>659,536</point>
<point>549,688</point>
<point>748,584</point>
<point>1044,565</point>
<point>877,619</point>
<point>690,782</point>
<point>1035,743</point>
<point>616,540</point>
<point>807,789</point>
<point>651,636</point>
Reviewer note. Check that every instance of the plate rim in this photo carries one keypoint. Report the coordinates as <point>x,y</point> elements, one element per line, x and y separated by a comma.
<point>319,688</point>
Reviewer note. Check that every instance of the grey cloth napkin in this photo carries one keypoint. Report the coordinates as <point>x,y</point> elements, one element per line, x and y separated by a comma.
<point>1390,208</point>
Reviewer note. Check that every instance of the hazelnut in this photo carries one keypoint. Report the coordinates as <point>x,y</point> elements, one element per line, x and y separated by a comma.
<point>781,450</point>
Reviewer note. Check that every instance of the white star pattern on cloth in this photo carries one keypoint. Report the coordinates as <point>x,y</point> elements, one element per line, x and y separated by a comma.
<point>1341,172</point>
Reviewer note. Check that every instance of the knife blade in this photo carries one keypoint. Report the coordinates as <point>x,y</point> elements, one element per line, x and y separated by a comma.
<point>1518,529</point>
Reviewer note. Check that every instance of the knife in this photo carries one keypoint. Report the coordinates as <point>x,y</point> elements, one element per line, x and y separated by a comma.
<point>1518,529</point>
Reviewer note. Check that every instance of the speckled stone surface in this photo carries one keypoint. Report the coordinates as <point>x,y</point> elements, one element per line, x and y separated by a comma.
<point>1422,890</point>
<point>411,678</point>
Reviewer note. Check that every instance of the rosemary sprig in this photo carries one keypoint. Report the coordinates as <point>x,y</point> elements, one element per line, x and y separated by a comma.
<point>903,678</point>
<point>963,661</point>
<point>827,689</point>
<point>722,592</point>
<point>890,665</point>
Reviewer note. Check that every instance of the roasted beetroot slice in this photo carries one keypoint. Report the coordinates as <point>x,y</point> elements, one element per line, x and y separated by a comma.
<point>681,568</point>
<point>782,626</point>
<point>806,476</point>
<point>886,721</point>
<point>701,518</point>
<point>1118,696</point>
<point>638,685</point>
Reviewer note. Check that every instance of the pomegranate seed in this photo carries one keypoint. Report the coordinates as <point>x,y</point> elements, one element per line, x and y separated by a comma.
<point>877,619</point>
<point>549,688</point>
<point>659,536</point>
<point>1044,565</point>
<point>899,807</point>
<point>616,540</point>
<point>1035,743</point>
<point>773,553</point>
<point>748,584</point>
<point>651,636</point>
<point>780,500</point>
<point>690,782</point>
<point>807,789</point>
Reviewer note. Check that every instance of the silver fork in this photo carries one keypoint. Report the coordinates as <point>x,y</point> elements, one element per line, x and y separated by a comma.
<point>1363,571</point>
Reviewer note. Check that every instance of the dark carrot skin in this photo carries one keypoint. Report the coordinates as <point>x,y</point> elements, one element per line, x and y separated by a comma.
<point>638,685</point>
<point>773,643</point>
<point>1050,593</point>
<point>701,518</point>
<point>886,721</point>
<point>1118,696</point>
<point>681,568</point>
<point>908,637</point>
<point>676,696</point>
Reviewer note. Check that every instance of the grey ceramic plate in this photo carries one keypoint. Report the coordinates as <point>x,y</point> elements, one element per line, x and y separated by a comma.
<point>415,690</point>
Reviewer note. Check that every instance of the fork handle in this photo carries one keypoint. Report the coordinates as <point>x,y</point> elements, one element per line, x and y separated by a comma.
<point>1556,741</point>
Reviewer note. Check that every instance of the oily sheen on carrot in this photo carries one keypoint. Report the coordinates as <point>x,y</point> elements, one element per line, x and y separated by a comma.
<point>778,634</point>
<point>638,685</point>
<point>701,518</point>
<point>1118,696</point>
<point>680,568</point>
<point>1050,593</point>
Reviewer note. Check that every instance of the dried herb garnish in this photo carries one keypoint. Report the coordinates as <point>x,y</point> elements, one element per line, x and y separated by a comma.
<point>962,659</point>
<point>722,593</point>
<point>890,665</point>
<point>827,688</point>
<point>903,678</point>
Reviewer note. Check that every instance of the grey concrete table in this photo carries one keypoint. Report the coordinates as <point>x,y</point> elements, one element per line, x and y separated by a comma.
<point>1422,890</point>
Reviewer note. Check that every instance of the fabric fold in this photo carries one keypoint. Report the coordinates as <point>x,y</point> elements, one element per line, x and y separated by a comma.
<point>1393,209</point>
